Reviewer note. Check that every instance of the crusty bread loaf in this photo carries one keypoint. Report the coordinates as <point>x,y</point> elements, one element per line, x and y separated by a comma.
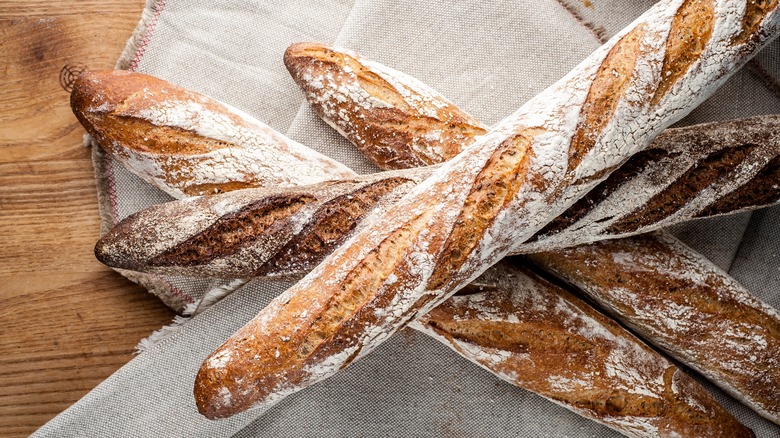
<point>380,110</point>
<point>186,143</point>
<point>477,207</point>
<point>538,336</point>
<point>712,169</point>
<point>252,232</point>
<point>655,284</point>
<point>678,407</point>
<point>714,152</point>
<point>697,313</point>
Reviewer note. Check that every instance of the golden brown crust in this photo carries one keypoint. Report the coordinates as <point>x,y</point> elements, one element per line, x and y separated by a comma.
<point>755,12</point>
<point>606,89</point>
<point>333,307</point>
<point>600,104</point>
<point>681,302</point>
<point>495,186</point>
<point>297,346</point>
<point>690,32</point>
<point>108,103</point>
<point>383,112</point>
<point>187,144</point>
<point>541,338</point>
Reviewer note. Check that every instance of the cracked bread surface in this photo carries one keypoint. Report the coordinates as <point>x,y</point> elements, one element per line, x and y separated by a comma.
<point>187,144</point>
<point>382,111</point>
<point>671,295</point>
<point>404,292</point>
<point>538,336</point>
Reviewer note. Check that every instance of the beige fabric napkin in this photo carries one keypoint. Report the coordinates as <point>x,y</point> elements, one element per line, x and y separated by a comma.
<point>489,57</point>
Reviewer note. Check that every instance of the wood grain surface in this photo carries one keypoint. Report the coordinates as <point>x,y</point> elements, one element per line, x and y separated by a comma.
<point>66,321</point>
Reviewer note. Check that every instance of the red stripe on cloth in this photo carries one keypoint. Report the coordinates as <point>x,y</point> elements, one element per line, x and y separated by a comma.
<point>159,6</point>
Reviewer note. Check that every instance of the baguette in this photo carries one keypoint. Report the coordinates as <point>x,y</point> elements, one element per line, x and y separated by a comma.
<point>669,294</point>
<point>678,407</point>
<point>641,179</point>
<point>713,169</point>
<point>481,204</point>
<point>251,232</point>
<point>538,336</point>
<point>699,315</point>
<point>187,144</point>
<point>380,110</point>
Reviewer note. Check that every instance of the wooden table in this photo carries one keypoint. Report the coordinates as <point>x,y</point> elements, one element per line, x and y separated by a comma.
<point>66,321</point>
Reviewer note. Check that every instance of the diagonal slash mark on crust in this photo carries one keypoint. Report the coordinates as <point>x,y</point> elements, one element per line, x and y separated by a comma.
<point>601,35</point>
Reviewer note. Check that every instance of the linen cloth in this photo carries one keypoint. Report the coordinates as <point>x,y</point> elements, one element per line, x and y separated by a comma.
<point>489,58</point>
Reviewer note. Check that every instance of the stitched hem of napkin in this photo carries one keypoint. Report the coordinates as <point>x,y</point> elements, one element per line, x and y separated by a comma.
<point>135,47</point>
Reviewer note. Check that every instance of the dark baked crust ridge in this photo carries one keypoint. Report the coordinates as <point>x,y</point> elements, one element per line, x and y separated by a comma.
<point>672,154</point>
<point>697,314</point>
<point>394,120</point>
<point>687,186</point>
<point>540,337</point>
<point>250,232</point>
<point>394,297</point>
<point>763,189</point>
<point>234,230</point>
<point>636,165</point>
<point>329,226</point>
<point>686,173</point>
